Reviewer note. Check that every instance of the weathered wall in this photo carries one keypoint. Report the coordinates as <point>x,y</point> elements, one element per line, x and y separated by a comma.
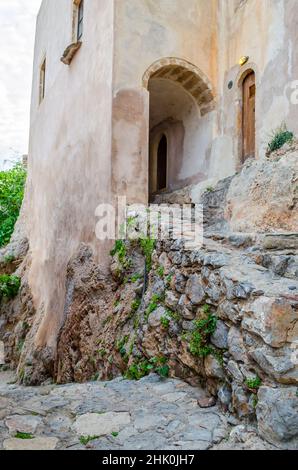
<point>70,146</point>
<point>266,32</point>
<point>145,32</point>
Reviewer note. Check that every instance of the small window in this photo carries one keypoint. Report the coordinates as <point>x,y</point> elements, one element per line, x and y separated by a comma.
<point>162,156</point>
<point>80,20</point>
<point>42,81</point>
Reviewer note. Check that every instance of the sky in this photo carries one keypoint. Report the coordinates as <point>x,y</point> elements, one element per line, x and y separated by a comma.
<point>17,31</point>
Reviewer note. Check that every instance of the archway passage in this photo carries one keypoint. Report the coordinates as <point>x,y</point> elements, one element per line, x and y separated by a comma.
<point>249,116</point>
<point>180,126</point>
<point>162,156</point>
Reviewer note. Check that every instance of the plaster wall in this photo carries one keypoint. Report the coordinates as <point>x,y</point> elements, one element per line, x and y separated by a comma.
<point>267,32</point>
<point>70,148</point>
<point>146,31</point>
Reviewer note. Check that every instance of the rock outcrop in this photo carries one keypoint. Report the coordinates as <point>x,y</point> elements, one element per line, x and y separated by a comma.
<point>223,315</point>
<point>263,197</point>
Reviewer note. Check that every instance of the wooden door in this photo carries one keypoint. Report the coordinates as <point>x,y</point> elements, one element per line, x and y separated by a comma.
<point>249,116</point>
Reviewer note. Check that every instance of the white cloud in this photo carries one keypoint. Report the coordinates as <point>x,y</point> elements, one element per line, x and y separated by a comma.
<point>17,30</point>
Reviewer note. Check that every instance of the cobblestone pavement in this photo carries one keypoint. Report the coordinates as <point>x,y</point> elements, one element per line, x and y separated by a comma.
<point>151,414</point>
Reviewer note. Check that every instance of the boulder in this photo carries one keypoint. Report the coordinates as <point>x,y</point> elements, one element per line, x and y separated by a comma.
<point>220,336</point>
<point>213,368</point>
<point>281,364</point>
<point>263,196</point>
<point>194,290</point>
<point>277,414</point>
<point>270,318</point>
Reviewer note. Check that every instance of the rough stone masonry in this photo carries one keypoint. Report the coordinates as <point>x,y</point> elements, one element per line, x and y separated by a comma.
<point>223,317</point>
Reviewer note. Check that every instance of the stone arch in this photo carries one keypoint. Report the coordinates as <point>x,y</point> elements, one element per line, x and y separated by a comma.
<point>187,75</point>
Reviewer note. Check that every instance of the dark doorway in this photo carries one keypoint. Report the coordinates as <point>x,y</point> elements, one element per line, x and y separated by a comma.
<point>162,157</point>
<point>249,116</point>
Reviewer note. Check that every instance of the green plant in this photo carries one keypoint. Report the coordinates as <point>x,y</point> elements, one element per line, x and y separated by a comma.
<point>84,440</point>
<point>253,383</point>
<point>120,346</point>
<point>135,305</point>
<point>161,367</point>
<point>148,245</point>
<point>95,377</point>
<point>121,251</point>
<point>209,189</point>
<point>107,320</point>
<point>12,184</point>
<point>206,309</point>
<point>138,370</point>
<point>9,286</point>
<point>173,315</point>
<point>155,300</point>
<point>141,368</point>
<point>160,271</point>
<point>115,434</point>
<point>9,258</point>
<point>279,137</point>
<point>135,277</point>
<point>102,353</point>
<point>199,337</point>
<point>165,322</point>
<point>20,345</point>
<point>255,400</point>
<point>23,435</point>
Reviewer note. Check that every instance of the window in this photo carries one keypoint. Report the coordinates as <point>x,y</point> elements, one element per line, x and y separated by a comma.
<point>80,20</point>
<point>42,81</point>
<point>162,156</point>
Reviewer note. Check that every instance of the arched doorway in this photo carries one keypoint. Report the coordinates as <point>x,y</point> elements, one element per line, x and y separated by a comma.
<point>180,128</point>
<point>248,116</point>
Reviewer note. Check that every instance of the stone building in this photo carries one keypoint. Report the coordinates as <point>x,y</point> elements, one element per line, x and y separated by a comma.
<point>149,97</point>
<point>161,100</point>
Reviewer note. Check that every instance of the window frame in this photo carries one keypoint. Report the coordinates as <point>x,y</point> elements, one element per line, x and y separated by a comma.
<point>80,20</point>
<point>42,80</point>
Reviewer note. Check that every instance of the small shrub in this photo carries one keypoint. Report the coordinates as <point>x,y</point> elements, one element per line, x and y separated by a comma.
<point>253,383</point>
<point>135,277</point>
<point>23,435</point>
<point>148,245</point>
<point>9,286</point>
<point>162,368</point>
<point>200,336</point>
<point>115,434</point>
<point>160,271</point>
<point>12,184</point>
<point>169,279</point>
<point>173,315</point>
<point>121,251</point>
<point>140,369</point>
<point>165,322</point>
<point>135,305</point>
<point>120,346</point>
<point>84,440</point>
<point>279,137</point>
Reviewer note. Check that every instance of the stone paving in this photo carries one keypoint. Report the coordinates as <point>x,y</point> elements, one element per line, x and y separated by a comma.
<point>151,414</point>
